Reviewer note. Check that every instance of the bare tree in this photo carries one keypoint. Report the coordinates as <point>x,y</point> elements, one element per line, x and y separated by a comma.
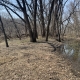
<point>4,32</point>
<point>34,28</point>
<point>42,19</point>
<point>49,17</point>
<point>14,24</point>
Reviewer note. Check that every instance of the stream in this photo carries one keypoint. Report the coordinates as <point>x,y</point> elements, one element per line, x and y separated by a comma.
<point>71,49</point>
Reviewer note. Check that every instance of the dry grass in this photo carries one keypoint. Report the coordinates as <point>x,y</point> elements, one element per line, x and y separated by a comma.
<point>24,60</point>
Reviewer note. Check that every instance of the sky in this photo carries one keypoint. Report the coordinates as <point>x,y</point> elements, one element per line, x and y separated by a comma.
<point>3,12</point>
<point>67,4</point>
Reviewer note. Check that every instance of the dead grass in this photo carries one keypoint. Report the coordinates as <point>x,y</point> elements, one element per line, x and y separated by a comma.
<point>24,60</point>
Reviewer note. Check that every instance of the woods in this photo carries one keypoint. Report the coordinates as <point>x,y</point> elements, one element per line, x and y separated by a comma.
<point>39,39</point>
<point>43,18</point>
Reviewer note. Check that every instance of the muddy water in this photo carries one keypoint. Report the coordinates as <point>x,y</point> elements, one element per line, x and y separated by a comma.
<point>71,49</point>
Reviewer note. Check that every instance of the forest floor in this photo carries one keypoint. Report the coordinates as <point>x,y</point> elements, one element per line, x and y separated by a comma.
<point>24,60</point>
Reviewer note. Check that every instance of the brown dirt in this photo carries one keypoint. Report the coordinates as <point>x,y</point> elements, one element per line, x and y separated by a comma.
<point>24,60</point>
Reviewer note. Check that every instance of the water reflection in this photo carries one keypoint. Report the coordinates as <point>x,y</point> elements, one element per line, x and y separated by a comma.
<point>71,49</point>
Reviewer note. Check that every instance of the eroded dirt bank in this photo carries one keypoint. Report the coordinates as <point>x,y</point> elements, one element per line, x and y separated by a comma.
<point>34,61</point>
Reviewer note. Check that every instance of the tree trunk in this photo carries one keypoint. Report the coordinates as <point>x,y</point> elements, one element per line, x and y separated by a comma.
<point>4,32</point>
<point>26,19</point>
<point>34,28</point>
<point>29,28</point>
<point>25,26</point>
<point>52,5</point>
<point>42,19</point>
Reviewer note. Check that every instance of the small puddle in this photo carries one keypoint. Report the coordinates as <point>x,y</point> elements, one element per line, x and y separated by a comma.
<point>71,49</point>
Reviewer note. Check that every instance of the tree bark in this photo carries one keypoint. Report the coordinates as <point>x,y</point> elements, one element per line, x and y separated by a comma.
<point>42,19</point>
<point>26,19</point>
<point>4,32</point>
<point>34,28</point>
<point>52,5</point>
